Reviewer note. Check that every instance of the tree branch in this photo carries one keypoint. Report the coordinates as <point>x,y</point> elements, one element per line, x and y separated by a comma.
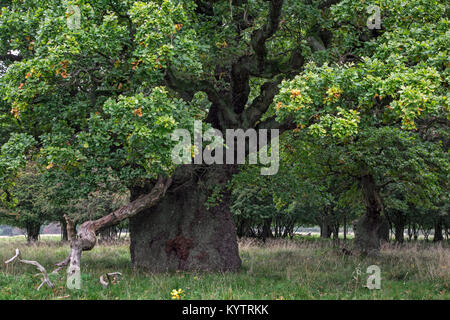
<point>34,263</point>
<point>260,36</point>
<point>86,238</point>
<point>261,103</point>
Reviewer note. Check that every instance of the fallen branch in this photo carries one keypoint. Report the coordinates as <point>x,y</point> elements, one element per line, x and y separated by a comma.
<point>34,263</point>
<point>13,258</point>
<point>113,277</point>
<point>103,282</point>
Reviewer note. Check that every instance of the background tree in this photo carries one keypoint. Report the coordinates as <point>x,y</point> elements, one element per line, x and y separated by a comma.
<point>395,81</point>
<point>30,212</point>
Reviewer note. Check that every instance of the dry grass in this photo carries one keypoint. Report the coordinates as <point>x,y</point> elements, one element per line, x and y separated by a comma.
<point>277,269</point>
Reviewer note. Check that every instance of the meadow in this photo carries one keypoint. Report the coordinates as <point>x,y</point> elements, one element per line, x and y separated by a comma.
<point>302,268</point>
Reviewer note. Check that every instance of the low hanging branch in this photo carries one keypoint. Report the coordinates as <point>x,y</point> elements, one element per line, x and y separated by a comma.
<point>86,237</point>
<point>34,263</point>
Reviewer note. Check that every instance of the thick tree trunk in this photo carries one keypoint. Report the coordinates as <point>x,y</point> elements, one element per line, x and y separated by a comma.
<point>371,228</point>
<point>325,224</point>
<point>325,230</point>
<point>185,231</point>
<point>33,231</point>
<point>438,230</point>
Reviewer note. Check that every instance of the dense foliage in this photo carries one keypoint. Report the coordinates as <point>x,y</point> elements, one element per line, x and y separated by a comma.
<point>364,112</point>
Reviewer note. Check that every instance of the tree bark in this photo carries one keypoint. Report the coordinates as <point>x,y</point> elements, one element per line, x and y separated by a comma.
<point>399,221</point>
<point>33,231</point>
<point>326,228</point>
<point>64,236</point>
<point>371,228</point>
<point>183,232</point>
<point>438,230</point>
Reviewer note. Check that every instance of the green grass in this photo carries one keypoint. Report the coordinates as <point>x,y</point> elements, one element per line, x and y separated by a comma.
<point>296,269</point>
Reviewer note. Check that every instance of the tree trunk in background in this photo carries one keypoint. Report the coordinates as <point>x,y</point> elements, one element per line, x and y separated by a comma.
<point>345,227</point>
<point>266,230</point>
<point>33,230</point>
<point>326,228</point>
<point>399,233</point>
<point>371,228</point>
<point>108,234</point>
<point>244,229</point>
<point>446,230</point>
<point>64,236</point>
<point>415,232</point>
<point>399,221</point>
<point>438,230</point>
<point>182,232</point>
<point>336,234</point>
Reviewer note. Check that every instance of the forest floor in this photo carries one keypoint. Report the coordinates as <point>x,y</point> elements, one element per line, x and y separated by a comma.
<point>303,268</point>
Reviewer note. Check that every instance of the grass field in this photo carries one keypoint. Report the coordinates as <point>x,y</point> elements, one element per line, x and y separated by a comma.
<point>304,268</point>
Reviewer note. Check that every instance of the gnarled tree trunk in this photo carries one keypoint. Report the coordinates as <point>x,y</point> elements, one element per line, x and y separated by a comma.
<point>185,231</point>
<point>371,228</point>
